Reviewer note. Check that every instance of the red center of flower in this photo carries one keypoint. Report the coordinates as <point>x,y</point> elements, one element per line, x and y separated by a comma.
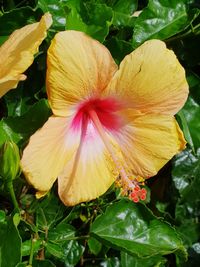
<point>104,114</point>
<point>106,110</point>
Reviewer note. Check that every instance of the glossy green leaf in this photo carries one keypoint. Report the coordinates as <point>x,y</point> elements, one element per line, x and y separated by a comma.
<point>123,12</point>
<point>94,245</point>
<point>186,43</point>
<point>194,258</point>
<point>128,260</point>
<point>68,252</point>
<point>27,245</point>
<point>21,99</point>
<point>18,18</point>
<point>61,244</point>
<point>62,232</point>
<point>89,17</point>
<point>189,230</point>
<point>110,262</point>
<point>49,212</point>
<point>57,10</point>
<point>161,19</point>
<point>19,129</point>
<point>190,115</point>
<point>185,175</point>
<point>2,216</point>
<point>9,235</point>
<point>133,228</point>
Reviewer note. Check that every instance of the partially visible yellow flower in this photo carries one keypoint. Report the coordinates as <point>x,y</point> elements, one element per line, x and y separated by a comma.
<point>107,122</point>
<point>17,53</point>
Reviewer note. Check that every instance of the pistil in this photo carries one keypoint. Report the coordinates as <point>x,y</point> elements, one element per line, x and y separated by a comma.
<point>104,138</point>
<point>130,187</point>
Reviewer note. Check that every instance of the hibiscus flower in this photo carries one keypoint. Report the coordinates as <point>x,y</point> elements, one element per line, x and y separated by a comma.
<point>17,53</point>
<point>107,122</point>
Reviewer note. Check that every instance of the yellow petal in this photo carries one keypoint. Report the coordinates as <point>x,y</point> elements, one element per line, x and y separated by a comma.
<point>90,172</point>
<point>151,80</point>
<point>78,68</point>
<point>47,152</point>
<point>16,54</point>
<point>148,142</point>
<point>10,82</point>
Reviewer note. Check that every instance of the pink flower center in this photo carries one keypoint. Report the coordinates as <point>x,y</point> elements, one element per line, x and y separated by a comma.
<point>106,110</point>
<point>103,113</point>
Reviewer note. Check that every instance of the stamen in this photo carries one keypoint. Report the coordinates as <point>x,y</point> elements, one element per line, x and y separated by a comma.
<point>131,187</point>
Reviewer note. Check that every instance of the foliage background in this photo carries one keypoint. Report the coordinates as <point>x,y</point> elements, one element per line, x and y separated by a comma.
<point>110,231</point>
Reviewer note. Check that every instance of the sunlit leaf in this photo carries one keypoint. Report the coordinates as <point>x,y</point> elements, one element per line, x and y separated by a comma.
<point>123,12</point>
<point>68,252</point>
<point>57,10</point>
<point>133,228</point>
<point>89,17</point>
<point>160,20</point>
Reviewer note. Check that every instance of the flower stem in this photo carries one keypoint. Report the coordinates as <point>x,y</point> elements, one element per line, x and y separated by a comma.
<point>31,253</point>
<point>12,194</point>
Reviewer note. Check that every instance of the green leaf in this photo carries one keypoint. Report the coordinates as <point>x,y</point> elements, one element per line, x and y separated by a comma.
<point>43,263</point>
<point>190,115</point>
<point>3,39</point>
<point>123,12</point>
<point>118,48</point>
<point>185,44</point>
<point>57,10</point>
<point>61,244</point>
<point>189,231</point>
<point>94,245</point>
<point>21,99</point>
<point>19,129</point>
<point>160,20</point>
<point>49,211</point>
<point>10,245</point>
<point>68,252</point>
<point>18,18</point>
<point>194,84</point>
<point>62,232</point>
<point>133,228</point>
<point>128,260</point>
<point>2,216</point>
<point>27,246</point>
<point>185,174</point>
<point>91,18</point>
<point>22,264</point>
<point>110,262</point>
